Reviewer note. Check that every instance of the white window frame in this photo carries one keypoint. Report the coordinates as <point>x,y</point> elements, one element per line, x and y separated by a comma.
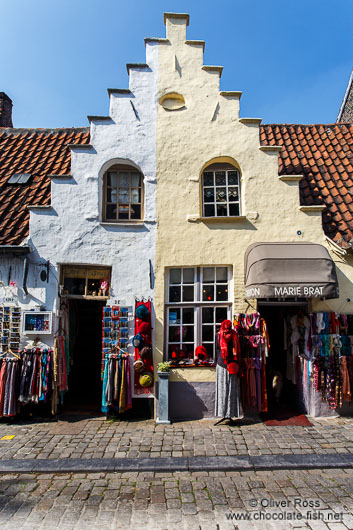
<point>226,186</point>
<point>117,170</point>
<point>198,304</point>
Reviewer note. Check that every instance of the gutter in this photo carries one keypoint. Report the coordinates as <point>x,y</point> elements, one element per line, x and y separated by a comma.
<point>337,248</point>
<point>19,250</point>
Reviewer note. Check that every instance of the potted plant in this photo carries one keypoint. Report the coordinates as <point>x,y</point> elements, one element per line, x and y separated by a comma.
<point>163,370</point>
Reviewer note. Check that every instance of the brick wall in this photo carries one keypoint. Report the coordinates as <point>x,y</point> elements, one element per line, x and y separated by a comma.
<point>5,110</point>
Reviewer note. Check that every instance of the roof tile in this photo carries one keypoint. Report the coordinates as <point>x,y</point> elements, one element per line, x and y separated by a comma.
<point>40,152</point>
<point>323,155</point>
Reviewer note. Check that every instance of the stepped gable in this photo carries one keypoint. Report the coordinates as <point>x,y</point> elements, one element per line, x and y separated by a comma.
<point>40,153</point>
<point>323,154</point>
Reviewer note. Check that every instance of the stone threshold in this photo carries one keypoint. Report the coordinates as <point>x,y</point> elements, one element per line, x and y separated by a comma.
<point>171,464</point>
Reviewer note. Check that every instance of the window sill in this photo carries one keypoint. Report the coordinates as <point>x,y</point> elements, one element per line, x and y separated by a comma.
<point>85,297</point>
<point>122,223</point>
<point>174,366</point>
<point>197,219</point>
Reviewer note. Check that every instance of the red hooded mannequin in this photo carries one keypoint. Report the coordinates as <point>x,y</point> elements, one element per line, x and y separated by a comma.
<point>229,345</point>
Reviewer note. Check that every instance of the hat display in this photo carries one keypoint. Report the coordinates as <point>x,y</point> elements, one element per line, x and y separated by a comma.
<point>139,365</point>
<point>201,353</point>
<point>142,312</point>
<point>143,327</point>
<point>145,352</point>
<point>138,341</point>
<point>146,380</point>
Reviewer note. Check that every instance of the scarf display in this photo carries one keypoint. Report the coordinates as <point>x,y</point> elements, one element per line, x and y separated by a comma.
<point>331,359</point>
<point>254,347</point>
<point>36,376</point>
<point>26,378</point>
<point>9,370</point>
<point>116,392</point>
<point>228,337</point>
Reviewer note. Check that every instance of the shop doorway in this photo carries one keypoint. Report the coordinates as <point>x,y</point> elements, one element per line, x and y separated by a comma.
<point>85,343</point>
<point>283,385</point>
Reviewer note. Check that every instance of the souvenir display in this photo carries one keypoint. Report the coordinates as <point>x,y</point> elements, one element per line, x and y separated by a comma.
<point>116,392</point>
<point>142,342</point>
<point>116,388</point>
<point>10,322</point>
<point>33,375</point>
<point>227,402</point>
<point>326,358</point>
<point>37,322</point>
<point>201,355</point>
<point>9,370</point>
<point>115,331</point>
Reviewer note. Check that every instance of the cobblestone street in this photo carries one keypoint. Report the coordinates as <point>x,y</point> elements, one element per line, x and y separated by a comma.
<point>281,499</point>
<point>98,438</point>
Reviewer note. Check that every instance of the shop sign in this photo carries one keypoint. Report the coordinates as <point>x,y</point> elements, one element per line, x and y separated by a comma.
<point>8,296</point>
<point>286,291</point>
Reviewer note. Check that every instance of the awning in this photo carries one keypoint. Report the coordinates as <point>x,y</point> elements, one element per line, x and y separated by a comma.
<point>289,270</point>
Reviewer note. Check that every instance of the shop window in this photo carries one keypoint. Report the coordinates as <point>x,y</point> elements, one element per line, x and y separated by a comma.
<point>83,281</point>
<point>197,304</point>
<point>220,191</point>
<point>123,195</point>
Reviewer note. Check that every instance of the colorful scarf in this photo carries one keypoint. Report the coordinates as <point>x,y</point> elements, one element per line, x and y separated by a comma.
<point>227,335</point>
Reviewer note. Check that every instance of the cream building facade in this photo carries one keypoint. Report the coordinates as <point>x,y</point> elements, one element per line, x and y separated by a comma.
<point>200,127</point>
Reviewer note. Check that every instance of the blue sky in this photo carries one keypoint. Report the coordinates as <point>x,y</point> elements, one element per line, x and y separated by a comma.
<point>291,58</point>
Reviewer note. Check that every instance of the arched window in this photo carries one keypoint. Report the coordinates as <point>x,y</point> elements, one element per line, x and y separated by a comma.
<point>122,194</point>
<point>220,191</point>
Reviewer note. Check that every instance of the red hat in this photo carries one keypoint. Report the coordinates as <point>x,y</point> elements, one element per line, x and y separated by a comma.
<point>143,327</point>
<point>201,353</point>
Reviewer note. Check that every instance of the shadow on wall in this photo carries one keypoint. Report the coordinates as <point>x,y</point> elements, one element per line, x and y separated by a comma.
<point>190,401</point>
<point>344,304</point>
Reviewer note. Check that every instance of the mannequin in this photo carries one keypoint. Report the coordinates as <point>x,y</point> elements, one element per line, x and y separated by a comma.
<point>227,403</point>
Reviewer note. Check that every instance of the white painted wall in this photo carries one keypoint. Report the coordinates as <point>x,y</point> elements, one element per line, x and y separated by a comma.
<point>71,231</point>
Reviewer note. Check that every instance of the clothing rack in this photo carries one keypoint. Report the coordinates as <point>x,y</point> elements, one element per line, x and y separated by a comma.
<point>254,347</point>
<point>116,390</point>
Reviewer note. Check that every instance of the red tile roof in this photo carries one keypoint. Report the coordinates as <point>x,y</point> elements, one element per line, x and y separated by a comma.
<point>41,152</point>
<point>323,154</point>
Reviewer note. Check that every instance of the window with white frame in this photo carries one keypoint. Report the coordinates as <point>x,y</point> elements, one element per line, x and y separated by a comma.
<point>220,191</point>
<point>123,194</point>
<point>198,300</point>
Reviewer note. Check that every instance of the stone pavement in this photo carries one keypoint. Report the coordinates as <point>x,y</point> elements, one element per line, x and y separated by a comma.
<point>319,500</point>
<point>201,495</point>
<point>99,438</point>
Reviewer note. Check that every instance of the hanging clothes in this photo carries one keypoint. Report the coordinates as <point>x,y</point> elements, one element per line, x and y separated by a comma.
<point>8,385</point>
<point>254,348</point>
<point>116,387</point>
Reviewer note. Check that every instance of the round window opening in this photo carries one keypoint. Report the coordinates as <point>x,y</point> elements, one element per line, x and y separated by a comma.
<point>172,101</point>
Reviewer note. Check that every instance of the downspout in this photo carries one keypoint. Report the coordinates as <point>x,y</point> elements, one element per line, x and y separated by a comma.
<point>25,275</point>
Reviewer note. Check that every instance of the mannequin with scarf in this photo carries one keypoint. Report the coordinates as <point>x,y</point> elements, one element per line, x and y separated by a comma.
<point>227,402</point>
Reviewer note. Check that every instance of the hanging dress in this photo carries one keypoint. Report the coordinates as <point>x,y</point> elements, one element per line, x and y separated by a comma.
<point>227,402</point>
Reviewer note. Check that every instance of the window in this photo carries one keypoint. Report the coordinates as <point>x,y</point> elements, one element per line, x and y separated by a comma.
<point>123,194</point>
<point>197,304</point>
<point>80,281</point>
<point>220,191</point>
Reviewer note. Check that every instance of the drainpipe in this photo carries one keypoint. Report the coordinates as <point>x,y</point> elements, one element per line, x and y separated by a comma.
<point>24,276</point>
